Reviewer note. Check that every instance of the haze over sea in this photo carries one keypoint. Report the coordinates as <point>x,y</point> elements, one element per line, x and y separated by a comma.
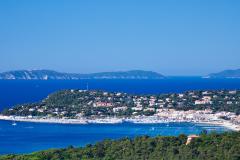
<point>28,137</point>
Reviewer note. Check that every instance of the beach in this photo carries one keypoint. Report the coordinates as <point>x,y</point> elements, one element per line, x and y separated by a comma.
<point>115,120</point>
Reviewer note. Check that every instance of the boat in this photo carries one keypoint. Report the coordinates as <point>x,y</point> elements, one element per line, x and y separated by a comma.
<point>14,123</point>
<point>152,129</point>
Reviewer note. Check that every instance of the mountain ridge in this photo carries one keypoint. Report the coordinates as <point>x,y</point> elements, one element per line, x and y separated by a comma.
<point>226,74</point>
<point>54,75</point>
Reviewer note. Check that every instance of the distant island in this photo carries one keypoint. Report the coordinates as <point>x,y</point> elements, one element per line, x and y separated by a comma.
<point>225,74</point>
<point>53,75</point>
<point>132,74</point>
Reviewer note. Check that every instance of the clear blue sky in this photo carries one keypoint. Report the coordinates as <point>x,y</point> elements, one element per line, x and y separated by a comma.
<point>172,37</point>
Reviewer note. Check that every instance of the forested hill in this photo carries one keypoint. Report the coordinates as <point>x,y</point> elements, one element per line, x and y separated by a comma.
<point>212,146</point>
<point>226,74</point>
<point>53,75</point>
<point>83,103</point>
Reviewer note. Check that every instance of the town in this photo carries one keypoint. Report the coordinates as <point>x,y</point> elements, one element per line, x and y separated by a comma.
<point>191,106</point>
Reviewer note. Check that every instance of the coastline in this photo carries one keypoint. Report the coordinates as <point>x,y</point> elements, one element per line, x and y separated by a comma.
<point>115,120</point>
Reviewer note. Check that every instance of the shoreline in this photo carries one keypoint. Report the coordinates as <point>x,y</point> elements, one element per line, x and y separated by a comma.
<point>114,120</point>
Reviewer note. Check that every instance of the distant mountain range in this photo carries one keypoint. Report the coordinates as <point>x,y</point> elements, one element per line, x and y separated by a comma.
<point>133,74</point>
<point>226,74</point>
<point>53,75</point>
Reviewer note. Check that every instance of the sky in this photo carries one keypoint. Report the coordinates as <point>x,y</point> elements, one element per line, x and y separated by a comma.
<point>172,37</point>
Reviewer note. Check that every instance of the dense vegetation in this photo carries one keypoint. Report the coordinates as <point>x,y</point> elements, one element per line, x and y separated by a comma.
<point>74,103</point>
<point>225,146</point>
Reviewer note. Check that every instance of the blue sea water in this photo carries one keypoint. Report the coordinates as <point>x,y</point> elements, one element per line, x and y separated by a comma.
<point>28,137</point>
<point>14,92</point>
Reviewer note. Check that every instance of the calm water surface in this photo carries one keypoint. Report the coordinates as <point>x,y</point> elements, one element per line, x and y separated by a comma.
<point>27,137</point>
<point>14,92</point>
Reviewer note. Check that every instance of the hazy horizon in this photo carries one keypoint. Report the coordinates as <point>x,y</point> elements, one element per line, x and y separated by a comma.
<point>116,71</point>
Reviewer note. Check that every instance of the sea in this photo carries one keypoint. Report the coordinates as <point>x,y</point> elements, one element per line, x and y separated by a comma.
<point>28,137</point>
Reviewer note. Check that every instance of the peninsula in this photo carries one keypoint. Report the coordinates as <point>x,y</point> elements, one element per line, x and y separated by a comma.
<point>83,106</point>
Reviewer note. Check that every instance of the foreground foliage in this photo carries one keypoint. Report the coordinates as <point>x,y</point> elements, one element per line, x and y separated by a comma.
<point>208,146</point>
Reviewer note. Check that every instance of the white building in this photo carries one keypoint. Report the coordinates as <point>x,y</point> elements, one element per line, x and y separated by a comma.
<point>117,109</point>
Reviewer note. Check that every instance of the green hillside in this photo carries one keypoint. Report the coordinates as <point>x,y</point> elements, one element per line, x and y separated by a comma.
<point>212,146</point>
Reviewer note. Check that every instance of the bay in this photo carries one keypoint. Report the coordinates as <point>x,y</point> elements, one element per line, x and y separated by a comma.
<point>28,137</point>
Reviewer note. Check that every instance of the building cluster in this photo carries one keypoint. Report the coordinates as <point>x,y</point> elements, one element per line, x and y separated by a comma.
<point>192,105</point>
<point>206,115</point>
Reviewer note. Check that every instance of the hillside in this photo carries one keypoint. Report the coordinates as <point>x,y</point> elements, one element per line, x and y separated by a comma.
<point>212,146</point>
<point>226,74</point>
<point>73,103</point>
<point>53,75</point>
